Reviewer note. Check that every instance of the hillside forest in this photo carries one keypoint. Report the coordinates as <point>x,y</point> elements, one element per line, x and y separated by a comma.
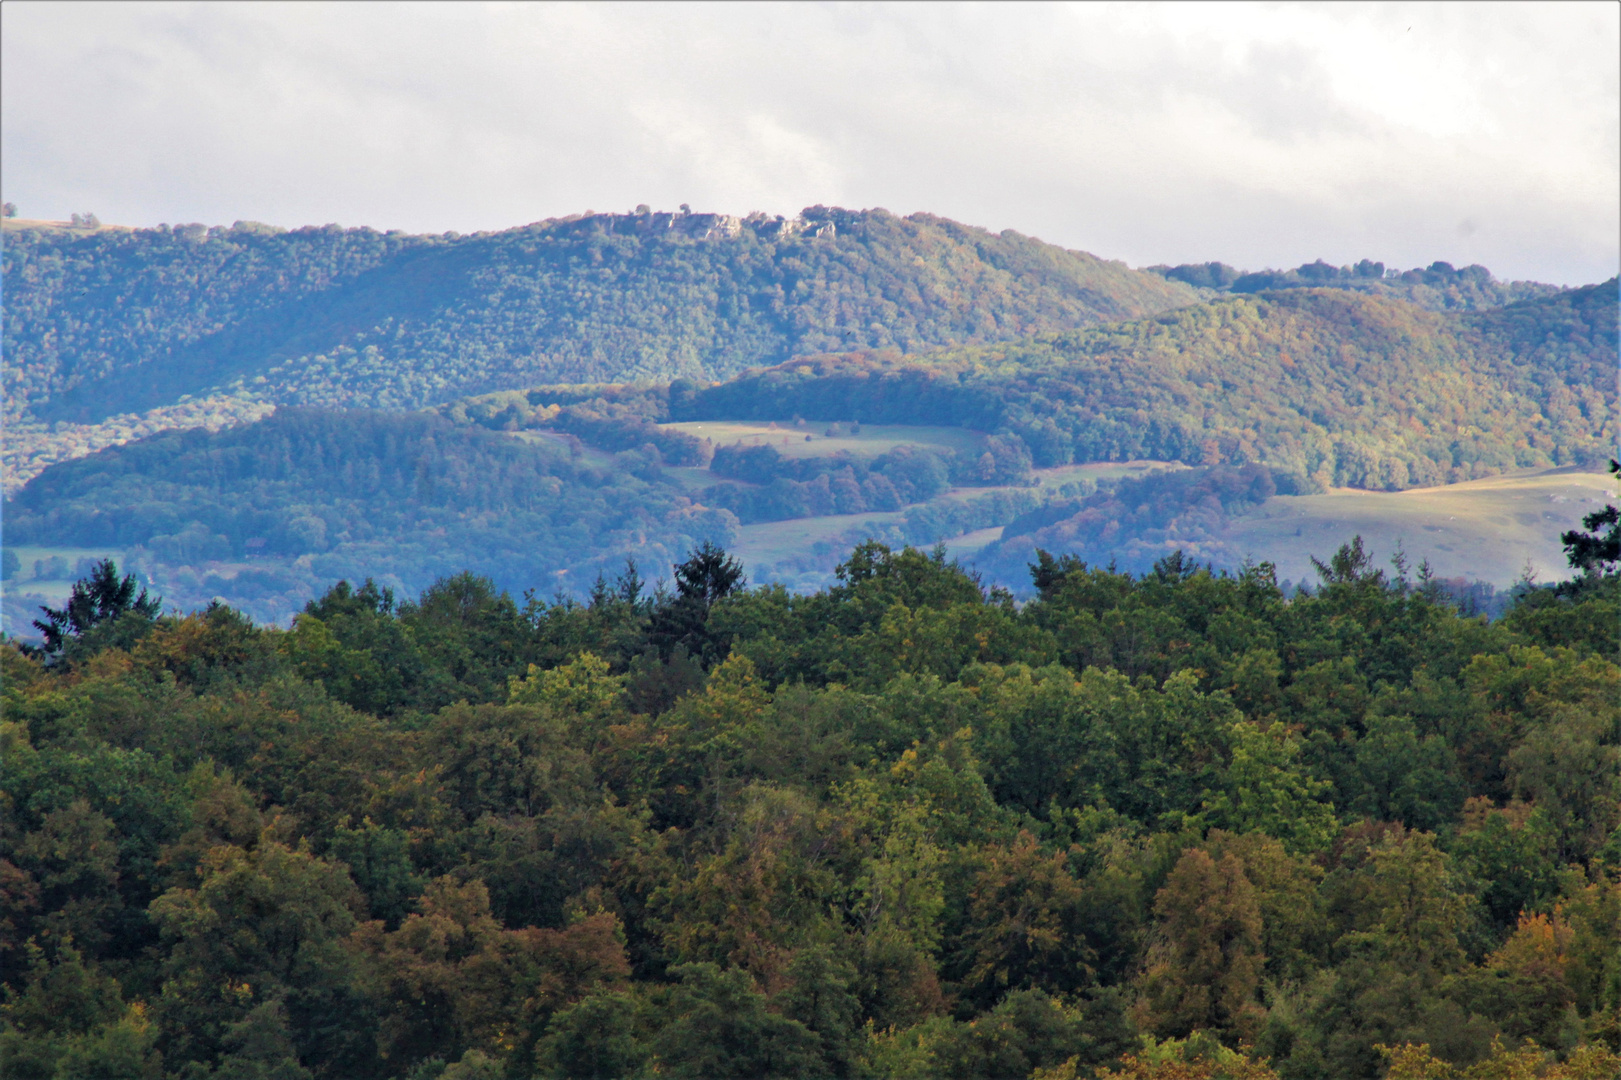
<point>1268,394</point>
<point>1173,824</point>
<point>115,333</point>
<point>122,320</point>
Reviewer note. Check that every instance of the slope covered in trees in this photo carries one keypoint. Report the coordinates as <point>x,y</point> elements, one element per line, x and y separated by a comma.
<point>898,828</point>
<point>124,320</point>
<point>309,496</point>
<point>1330,386</point>
<point>1437,287</point>
<point>1285,392</point>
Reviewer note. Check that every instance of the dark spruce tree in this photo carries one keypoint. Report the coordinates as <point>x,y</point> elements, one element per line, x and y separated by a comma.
<point>1598,549</point>
<point>101,600</point>
<point>707,576</point>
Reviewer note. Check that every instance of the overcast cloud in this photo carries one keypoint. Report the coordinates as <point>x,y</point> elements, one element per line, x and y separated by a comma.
<point>1259,135</point>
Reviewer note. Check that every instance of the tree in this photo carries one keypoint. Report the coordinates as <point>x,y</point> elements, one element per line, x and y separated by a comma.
<point>10,209</point>
<point>1205,969</point>
<point>1598,550</point>
<point>451,980</point>
<point>719,1025</point>
<point>95,600</point>
<point>1416,1062</point>
<point>1271,792</point>
<point>268,925</point>
<point>708,576</point>
<point>1409,905</point>
<point>1025,924</point>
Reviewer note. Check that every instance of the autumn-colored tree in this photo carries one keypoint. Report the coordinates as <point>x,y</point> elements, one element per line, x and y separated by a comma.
<point>1025,924</point>
<point>1204,967</point>
<point>1197,1058</point>
<point>1528,1062</point>
<point>451,979</point>
<point>1522,986</point>
<point>1294,927</point>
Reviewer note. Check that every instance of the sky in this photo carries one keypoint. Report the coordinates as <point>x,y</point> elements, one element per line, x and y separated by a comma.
<point>1261,135</point>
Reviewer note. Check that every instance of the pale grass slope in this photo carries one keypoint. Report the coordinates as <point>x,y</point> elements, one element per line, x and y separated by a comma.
<point>1492,529</point>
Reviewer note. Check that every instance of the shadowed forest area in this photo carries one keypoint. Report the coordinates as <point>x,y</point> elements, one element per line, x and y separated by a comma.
<point>1176,824</point>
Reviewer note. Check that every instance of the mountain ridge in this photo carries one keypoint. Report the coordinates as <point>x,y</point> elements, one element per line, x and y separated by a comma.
<point>116,321</point>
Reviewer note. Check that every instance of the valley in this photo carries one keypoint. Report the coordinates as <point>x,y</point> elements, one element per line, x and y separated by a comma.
<point>248,414</point>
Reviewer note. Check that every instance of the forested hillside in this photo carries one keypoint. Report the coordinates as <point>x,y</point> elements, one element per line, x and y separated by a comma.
<point>1333,387</point>
<point>120,321</point>
<point>309,496</point>
<point>1177,825</point>
<point>1437,287</point>
<point>1279,393</point>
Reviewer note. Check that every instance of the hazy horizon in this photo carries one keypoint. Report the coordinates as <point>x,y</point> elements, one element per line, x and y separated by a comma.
<point>1257,135</point>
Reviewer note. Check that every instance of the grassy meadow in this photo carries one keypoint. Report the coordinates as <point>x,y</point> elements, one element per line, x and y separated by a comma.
<point>803,439</point>
<point>1487,530</point>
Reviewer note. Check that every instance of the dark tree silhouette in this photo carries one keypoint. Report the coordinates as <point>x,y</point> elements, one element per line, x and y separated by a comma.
<point>708,575</point>
<point>99,598</point>
<point>1599,548</point>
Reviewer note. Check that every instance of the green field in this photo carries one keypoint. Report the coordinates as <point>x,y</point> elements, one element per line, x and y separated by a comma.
<point>805,439</point>
<point>54,588</point>
<point>774,542</point>
<point>1488,530</point>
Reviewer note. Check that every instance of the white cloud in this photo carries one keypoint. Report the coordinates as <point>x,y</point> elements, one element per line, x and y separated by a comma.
<point>1256,134</point>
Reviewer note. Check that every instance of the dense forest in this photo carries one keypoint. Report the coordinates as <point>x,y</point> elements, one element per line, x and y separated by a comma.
<point>311,495</point>
<point>308,496</point>
<point>119,320</point>
<point>1437,287</point>
<point>1283,392</point>
<point>1331,386</point>
<point>1178,824</point>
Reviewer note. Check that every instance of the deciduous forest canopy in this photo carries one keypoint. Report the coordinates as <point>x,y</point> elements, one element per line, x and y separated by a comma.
<point>900,827</point>
<point>479,755</point>
<point>124,320</point>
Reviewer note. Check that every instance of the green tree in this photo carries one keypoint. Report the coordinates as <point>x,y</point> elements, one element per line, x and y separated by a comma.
<point>1268,790</point>
<point>1204,968</point>
<point>98,600</point>
<point>1598,550</point>
<point>715,1023</point>
<point>708,576</point>
<point>263,925</point>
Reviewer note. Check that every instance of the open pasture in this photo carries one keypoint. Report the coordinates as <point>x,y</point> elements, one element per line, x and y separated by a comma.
<point>809,439</point>
<point>776,542</point>
<point>1487,530</point>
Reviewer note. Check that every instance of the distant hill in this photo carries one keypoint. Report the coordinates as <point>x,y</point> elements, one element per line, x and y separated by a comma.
<point>265,513</point>
<point>1437,287</point>
<point>121,321</point>
<point>1284,392</point>
<point>1334,387</point>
